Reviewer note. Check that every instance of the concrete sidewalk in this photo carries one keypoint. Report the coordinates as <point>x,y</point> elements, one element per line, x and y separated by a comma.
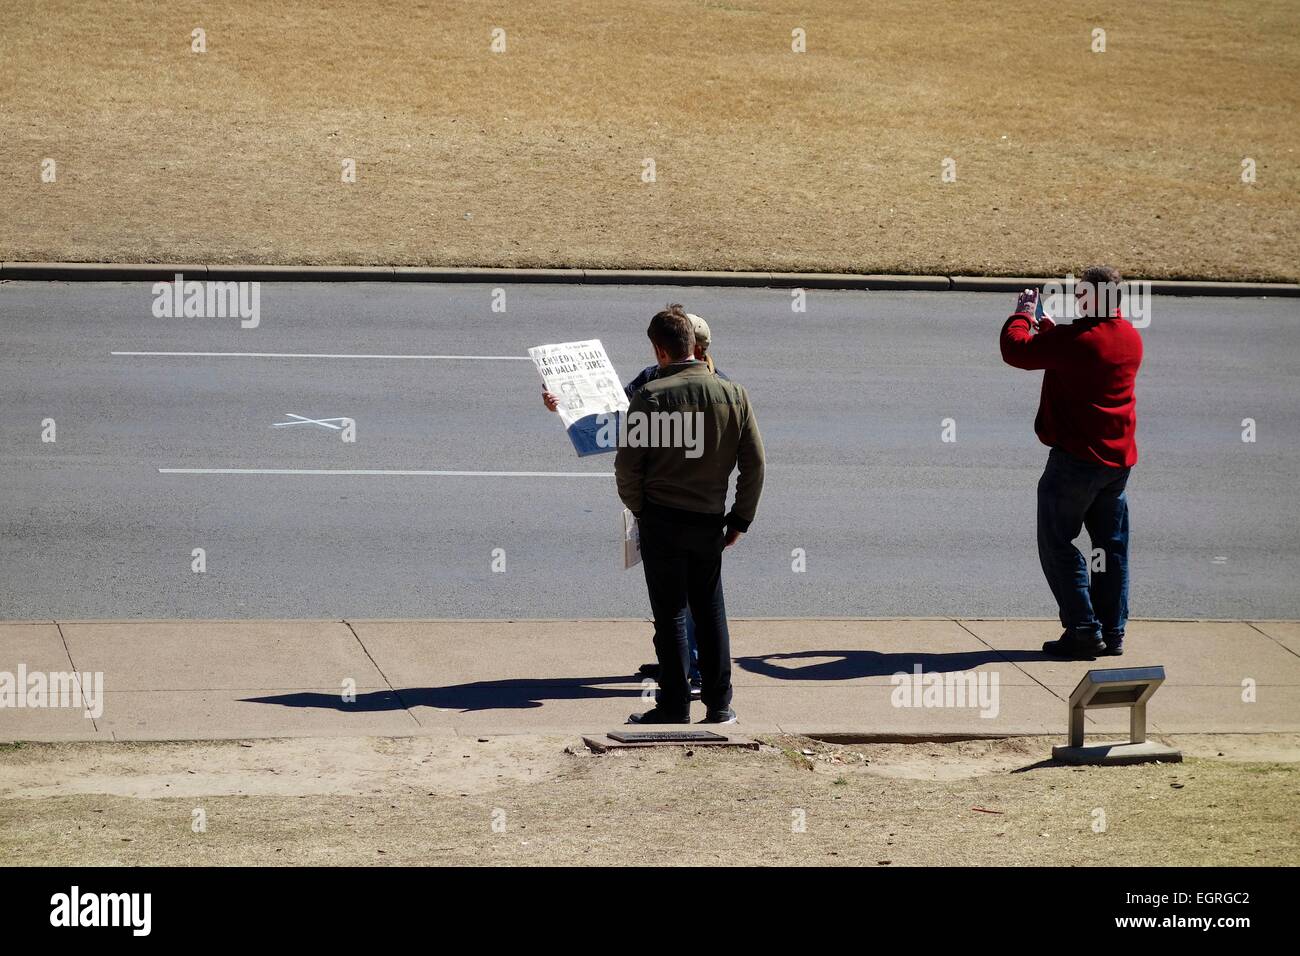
<point>244,679</point>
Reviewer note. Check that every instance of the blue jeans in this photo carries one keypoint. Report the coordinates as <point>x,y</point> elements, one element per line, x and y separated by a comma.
<point>694,648</point>
<point>1073,494</point>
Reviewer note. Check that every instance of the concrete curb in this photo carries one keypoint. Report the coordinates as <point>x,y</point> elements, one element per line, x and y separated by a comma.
<point>117,272</point>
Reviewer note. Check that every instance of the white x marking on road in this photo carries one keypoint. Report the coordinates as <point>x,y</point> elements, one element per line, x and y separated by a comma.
<point>323,422</point>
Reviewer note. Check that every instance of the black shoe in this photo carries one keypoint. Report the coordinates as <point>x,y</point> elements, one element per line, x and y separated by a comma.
<point>649,670</point>
<point>656,716</point>
<point>724,716</point>
<point>1114,645</point>
<point>696,689</point>
<point>1074,646</point>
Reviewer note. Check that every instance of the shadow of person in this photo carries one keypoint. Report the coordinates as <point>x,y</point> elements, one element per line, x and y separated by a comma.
<point>847,665</point>
<point>479,695</point>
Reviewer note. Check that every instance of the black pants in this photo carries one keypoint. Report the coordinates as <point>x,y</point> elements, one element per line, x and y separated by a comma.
<point>683,568</point>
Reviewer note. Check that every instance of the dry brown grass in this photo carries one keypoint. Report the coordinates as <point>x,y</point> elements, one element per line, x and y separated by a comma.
<point>432,800</point>
<point>828,160</point>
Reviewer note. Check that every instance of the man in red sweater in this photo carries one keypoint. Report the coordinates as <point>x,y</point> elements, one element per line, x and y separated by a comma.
<point>1087,417</point>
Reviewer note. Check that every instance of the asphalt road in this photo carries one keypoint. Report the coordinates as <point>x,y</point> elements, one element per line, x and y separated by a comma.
<point>850,397</point>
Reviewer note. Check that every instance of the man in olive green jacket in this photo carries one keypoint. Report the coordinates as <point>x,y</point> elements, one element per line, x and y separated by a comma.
<point>682,436</point>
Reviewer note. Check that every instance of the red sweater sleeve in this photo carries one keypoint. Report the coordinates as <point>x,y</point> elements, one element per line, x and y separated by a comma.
<point>1021,348</point>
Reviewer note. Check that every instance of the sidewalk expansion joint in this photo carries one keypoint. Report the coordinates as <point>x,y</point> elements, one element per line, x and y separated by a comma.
<point>77,675</point>
<point>380,671</point>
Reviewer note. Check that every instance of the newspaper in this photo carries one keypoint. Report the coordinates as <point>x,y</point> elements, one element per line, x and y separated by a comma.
<point>582,378</point>
<point>631,540</point>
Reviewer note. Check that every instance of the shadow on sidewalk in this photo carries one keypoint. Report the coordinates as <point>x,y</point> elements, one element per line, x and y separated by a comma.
<point>480,695</point>
<point>847,665</point>
<point>526,693</point>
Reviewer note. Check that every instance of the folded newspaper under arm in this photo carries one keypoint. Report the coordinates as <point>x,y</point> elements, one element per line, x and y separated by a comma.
<point>591,398</point>
<point>631,540</point>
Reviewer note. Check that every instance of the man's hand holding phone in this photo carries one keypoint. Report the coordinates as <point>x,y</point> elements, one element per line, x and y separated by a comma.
<point>1027,303</point>
<point>1042,321</point>
<point>1030,304</point>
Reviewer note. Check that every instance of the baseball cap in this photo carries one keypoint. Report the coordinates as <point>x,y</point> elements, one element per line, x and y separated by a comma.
<point>701,330</point>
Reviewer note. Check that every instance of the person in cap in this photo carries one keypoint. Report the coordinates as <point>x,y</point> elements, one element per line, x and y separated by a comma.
<point>703,338</point>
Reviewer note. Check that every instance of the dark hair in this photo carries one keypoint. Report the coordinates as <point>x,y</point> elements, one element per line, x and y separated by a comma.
<point>1095,274</point>
<point>671,331</point>
<point>1107,286</point>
